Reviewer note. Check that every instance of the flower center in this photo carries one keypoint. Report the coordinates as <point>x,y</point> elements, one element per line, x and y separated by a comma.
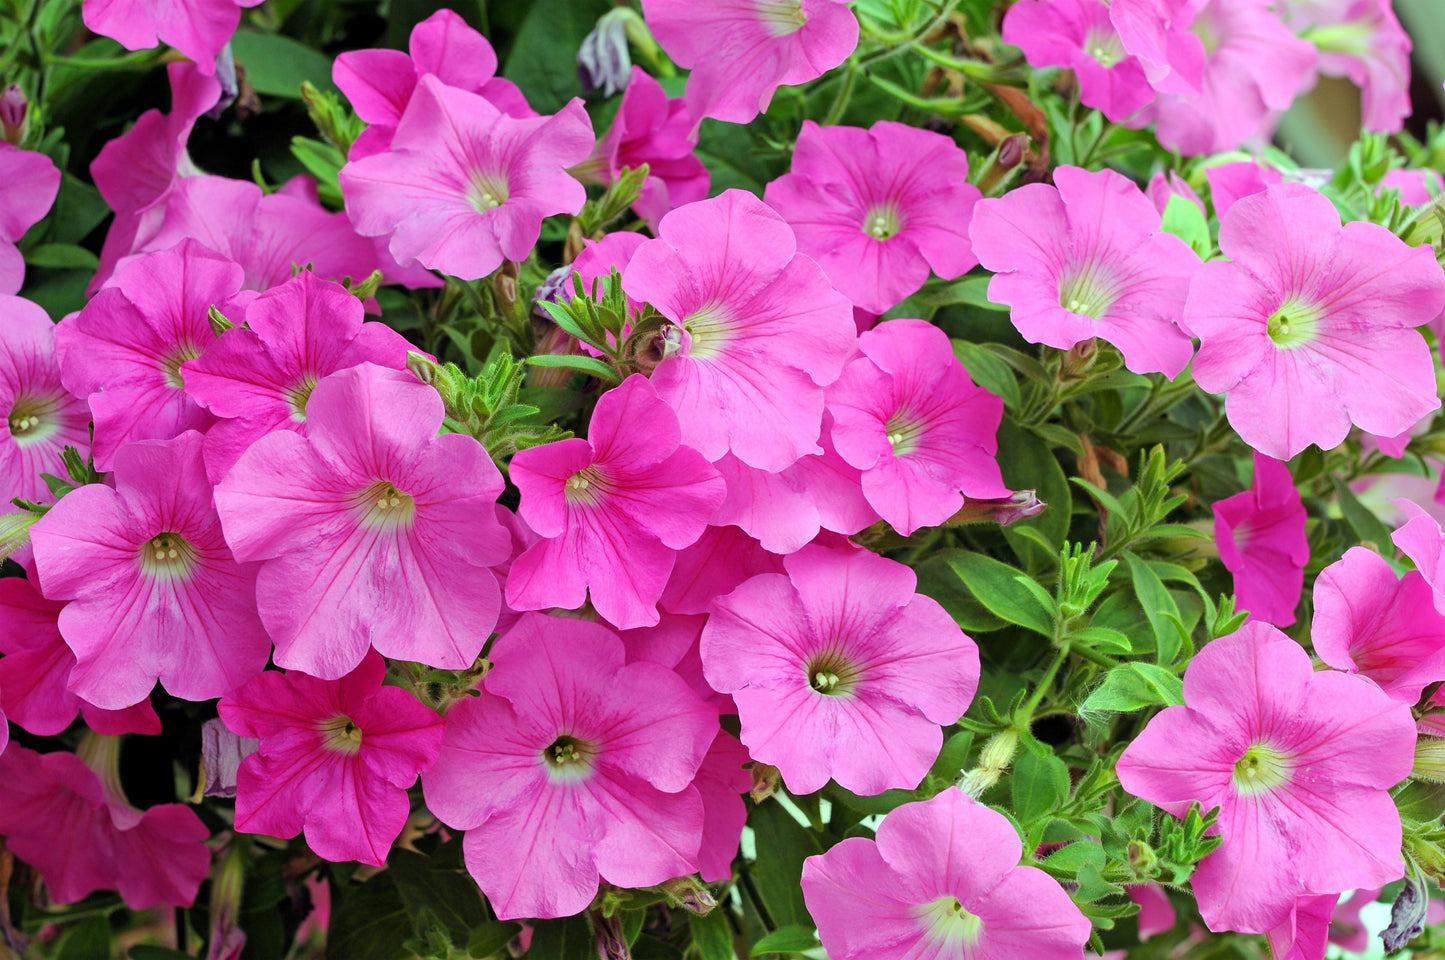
<point>946,922</point>
<point>1088,291</point>
<point>882,222</point>
<point>33,419</point>
<point>299,395</point>
<point>383,505</point>
<point>1295,323</point>
<point>904,433</point>
<point>1207,30</point>
<point>487,191</point>
<point>568,758</point>
<point>1104,47</point>
<point>340,734</point>
<point>1262,768</point>
<point>832,674</point>
<point>167,556</point>
<point>584,487</point>
<point>709,329</point>
<point>171,363</point>
<point>781,17</point>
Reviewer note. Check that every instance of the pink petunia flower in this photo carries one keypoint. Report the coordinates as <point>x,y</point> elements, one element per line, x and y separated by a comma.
<point>1231,182</point>
<point>1163,186</point>
<point>31,181</point>
<point>1261,538</point>
<point>380,82</point>
<point>722,558</point>
<point>612,510</point>
<point>1420,538</point>
<point>1304,934</point>
<point>741,51</point>
<point>374,531</point>
<point>154,591</point>
<point>335,758</point>
<point>760,331</point>
<point>463,186</point>
<point>878,208</point>
<point>124,350</point>
<point>721,781</point>
<point>1363,41</point>
<point>1079,35</point>
<point>589,766</point>
<point>1300,764</point>
<point>941,881</point>
<point>1370,622</point>
<point>840,670</point>
<point>257,378</point>
<point>42,418</point>
<point>1307,328</point>
<point>200,29</point>
<point>907,414</point>
<point>1087,258</point>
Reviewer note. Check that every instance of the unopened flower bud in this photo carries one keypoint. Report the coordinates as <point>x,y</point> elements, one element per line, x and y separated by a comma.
<point>1142,858</point>
<point>15,531</point>
<point>227,938</point>
<point>221,754</point>
<point>1429,759</point>
<point>557,288</point>
<point>611,941</point>
<point>229,81</point>
<point>366,289</point>
<point>1019,505</point>
<point>1079,359</point>
<point>691,894</point>
<point>219,322</point>
<point>993,760</point>
<point>766,781</point>
<point>14,114</point>
<point>604,62</point>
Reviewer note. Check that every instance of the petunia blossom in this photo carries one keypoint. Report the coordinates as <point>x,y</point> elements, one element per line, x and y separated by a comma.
<point>1261,538</point>
<point>31,181</point>
<point>1305,934</point>
<point>335,758</point>
<point>741,51</point>
<point>942,880</point>
<point>1105,270</point>
<point>907,414</point>
<point>1079,35</point>
<point>759,330</point>
<point>154,591</point>
<point>722,558</point>
<point>611,511</point>
<point>1231,182</point>
<point>1362,41</point>
<point>840,670</point>
<point>372,529</point>
<point>1307,327</point>
<point>200,29</point>
<point>1300,764</point>
<point>462,186</point>
<point>42,418</point>
<point>589,765</point>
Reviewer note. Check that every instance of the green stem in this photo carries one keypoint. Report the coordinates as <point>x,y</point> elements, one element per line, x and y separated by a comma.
<point>845,93</point>
<point>140,60</point>
<point>1027,713</point>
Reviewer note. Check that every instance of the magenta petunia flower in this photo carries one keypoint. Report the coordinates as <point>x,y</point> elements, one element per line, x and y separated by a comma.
<point>840,670</point>
<point>1231,182</point>
<point>908,416</point>
<point>1305,933</point>
<point>463,186</point>
<point>374,531</point>
<point>1361,40</point>
<point>200,29</point>
<point>154,591</point>
<point>741,51</point>
<point>878,208</point>
<point>762,332</point>
<point>1261,538</point>
<point>258,377</point>
<point>1078,34</point>
<point>722,558</point>
<point>335,758</point>
<point>1087,258</point>
<point>612,510</point>
<point>1421,539</point>
<point>1307,328</point>
<point>941,882</point>
<point>42,418</point>
<point>31,182</point>
<point>721,781</point>
<point>1300,764</point>
<point>589,765</point>
<point>1370,622</point>
<point>123,350</point>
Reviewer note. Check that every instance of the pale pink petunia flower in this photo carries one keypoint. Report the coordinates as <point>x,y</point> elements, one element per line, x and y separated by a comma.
<point>721,781</point>
<point>200,29</point>
<point>1308,327</point>
<point>1079,35</point>
<point>463,186</point>
<point>611,511</point>
<point>1231,182</point>
<point>759,331</point>
<point>1362,41</point>
<point>741,51</point>
<point>372,529</point>
<point>1261,538</point>
<point>1087,258</point>
<point>1305,934</point>
<point>154,591</point>
<point>907,414</point>
<point>42,418</point>
<point>840,670</point>
<point>942,882</point>
<point>1165,185</point>
<point>1420,538</point>
<point>1417,186</point>
<point>878,208</point>
<point>258,377</point>
<point>722,558</point>
<point>1156,913</point>
<point>335,758</point>
<point>29,182</point>
<point>589,766</point>
<point>1300,764</point>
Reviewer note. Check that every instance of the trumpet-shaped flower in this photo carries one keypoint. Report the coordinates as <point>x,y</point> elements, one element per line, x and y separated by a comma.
<point>722,558</point>
<point>154,591</point>
<point>1087,258</point>
<point>1079,35</point>
<point>908,416</point>
<point>840,670</point>
<point>761,331</point>
<point>612,510</point>
<point>373,530</point>
<point>463,186</point>
<point>1300,764</point>
<point>878,208</point>
<point>1307,328</point>
<point>42,418</point>
<point>1421,539</point>
<point>335,758</point>
<point>31,183</point>
<point>1362,41</point>
<point>942,882</point>
<point>589,766</point>
<point>200,29</point>
<point>1261,538</point>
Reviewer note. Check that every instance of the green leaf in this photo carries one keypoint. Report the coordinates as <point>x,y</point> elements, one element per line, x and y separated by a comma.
<point>711,934</point>
<point>937,580</point>
<point>1184,219</point>
<point>1040,785</point>
<point>970,290</point>
<point>1362,523</point>
<point>543,59</point>
<point>276,66</point>
<point>489,938</point>
<point>988,371</point>
<point>1158,606</point>
<point>79,209</point>
<point>1075,856</point>
<point>790,939</point>
<point>154,953</point>
<point>447,893</point>
<point>322,161</point>
<point>567,939</point>
<point>370,923</point>
<point>999,587</point>
<point>86,940</point>
<point>588,365</point>
<point>62,255</point>
<point>782,844</point>
<point>1029,464</point>
<point>1134,686</point>
<point>733,158</point>
<point>1092,885</point>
